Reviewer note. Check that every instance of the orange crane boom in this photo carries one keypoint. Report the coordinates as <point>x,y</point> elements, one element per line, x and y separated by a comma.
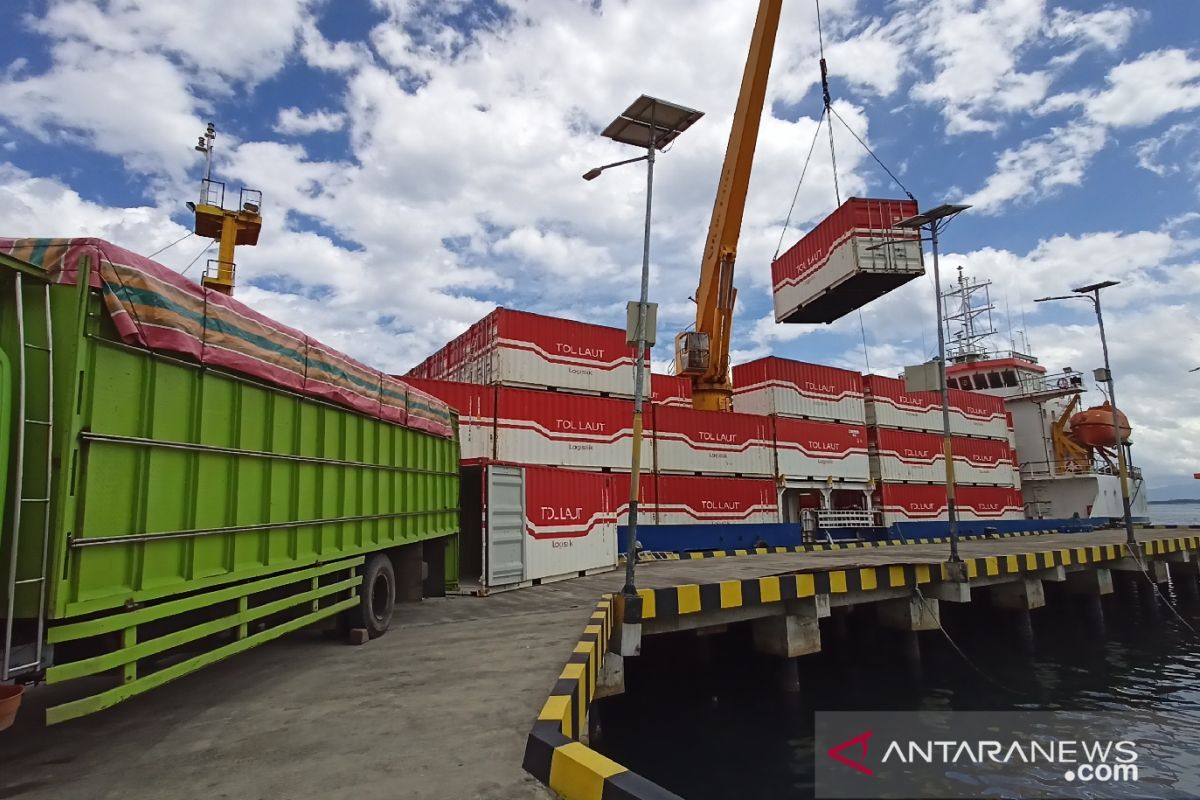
<point>703,354</point>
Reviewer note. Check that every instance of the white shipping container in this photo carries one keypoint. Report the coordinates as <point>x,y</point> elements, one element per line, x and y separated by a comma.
<point>796,389</point>
<point>688,440</point>
<point>516,348</point>
<point>850,258</point>
<point>691,500</point>
<point>537,523</point>
<point>818,450</point>
<point>558,428</point>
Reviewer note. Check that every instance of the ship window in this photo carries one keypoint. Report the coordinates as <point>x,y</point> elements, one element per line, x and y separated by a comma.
<point>994,380</point>
<point>1010,377</point>
<point>952,383</point>
<point>981,381</point>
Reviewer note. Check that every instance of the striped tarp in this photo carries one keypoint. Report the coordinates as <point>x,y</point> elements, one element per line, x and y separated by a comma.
<point>155,307</point>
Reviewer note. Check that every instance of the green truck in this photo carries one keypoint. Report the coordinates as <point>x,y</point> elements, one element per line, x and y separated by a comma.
<point>164,511</point>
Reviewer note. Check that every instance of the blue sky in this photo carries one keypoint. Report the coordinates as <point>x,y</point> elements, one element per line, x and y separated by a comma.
<point>420,162</point>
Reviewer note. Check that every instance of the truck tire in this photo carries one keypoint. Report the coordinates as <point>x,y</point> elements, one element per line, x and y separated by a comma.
<point>376,597</point>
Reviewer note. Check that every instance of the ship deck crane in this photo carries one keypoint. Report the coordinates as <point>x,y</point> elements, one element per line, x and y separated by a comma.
<point>703,353</point>
<point>228,227</point>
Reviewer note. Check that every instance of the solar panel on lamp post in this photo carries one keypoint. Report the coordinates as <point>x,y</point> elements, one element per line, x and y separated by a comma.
<point>1091,293</point>
<point>653,124</point>
<point>935,220</point>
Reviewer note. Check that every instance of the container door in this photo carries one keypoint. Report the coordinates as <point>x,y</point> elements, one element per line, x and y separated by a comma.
<point>505,525</point>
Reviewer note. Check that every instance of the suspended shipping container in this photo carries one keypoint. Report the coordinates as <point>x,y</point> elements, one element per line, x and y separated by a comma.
<point>796,389</point>
<point>890,405</point>
<point>837,268</point>
<point>817,450</point>
<point>923,502</point>
<point>516,348</point>
<point>671,390</point>
<point>690,499</point>
<point>689,440</point>
<point>523,524</point>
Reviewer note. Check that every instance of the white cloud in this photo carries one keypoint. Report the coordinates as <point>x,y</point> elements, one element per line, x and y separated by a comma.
<point>976,50</point>
<point>248,47</point>
<point>1137,93</point>
<point>1147,89</point>
<point>133,105</point>
<point>43,207</point>
<point>1150,151</point>
<point>131,79</point>
<point>1040,166</point>
<point>295,122</point>
<point>1108,28</point>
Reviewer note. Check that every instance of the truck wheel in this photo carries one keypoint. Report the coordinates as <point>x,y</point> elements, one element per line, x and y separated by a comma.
<point>376,597</point>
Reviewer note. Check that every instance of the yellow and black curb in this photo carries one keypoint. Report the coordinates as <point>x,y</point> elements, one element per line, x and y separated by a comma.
<point>555,756</point>
<point>816,547</point>
<point>553,753</point>
<point>692,598</point>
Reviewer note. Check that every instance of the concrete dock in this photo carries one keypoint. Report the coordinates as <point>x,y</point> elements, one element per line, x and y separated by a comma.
<point>441,707</point>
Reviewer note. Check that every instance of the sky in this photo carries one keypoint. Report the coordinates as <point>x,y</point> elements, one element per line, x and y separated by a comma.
<point>420,164</point>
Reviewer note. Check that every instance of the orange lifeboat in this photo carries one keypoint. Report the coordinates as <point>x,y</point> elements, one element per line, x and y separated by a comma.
<point>1093,427</point>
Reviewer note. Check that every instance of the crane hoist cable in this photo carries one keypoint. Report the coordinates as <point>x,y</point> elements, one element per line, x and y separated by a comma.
<point>828,114</point>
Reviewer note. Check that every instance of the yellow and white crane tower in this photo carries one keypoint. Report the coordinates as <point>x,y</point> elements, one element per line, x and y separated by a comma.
<point>228,227</point>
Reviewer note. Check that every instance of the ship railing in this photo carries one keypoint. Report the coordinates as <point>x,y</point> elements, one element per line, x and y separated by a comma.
<point>1051,469</point>
<point>850,518</point>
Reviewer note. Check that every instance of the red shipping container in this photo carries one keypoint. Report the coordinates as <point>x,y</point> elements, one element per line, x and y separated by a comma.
<point>917,502</point>
<point>817,450</point>
<point>671,390</point>
<point>796,389</point>
<point>904,456</point>
<point>517,348</point>
<point>571,519</point>
<point>476,407</point>
<point>983,461</point>
<point>831,271</point>
<point>689,440</point>
<point>570,430</point>
<point>890,405</point>
<point>689,499</point>
<point>647,494</point>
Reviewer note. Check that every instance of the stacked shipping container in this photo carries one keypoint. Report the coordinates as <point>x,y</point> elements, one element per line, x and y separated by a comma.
<point>516,348</point>
<point>908,461</point>
<point>796,389</point>
<point>830,435</point>
<point>889,405</point>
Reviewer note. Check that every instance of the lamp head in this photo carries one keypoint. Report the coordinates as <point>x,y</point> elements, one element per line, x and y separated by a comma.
<point>592,174</point>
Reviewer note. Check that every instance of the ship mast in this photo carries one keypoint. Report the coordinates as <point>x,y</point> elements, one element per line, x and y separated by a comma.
<point>973,303</point>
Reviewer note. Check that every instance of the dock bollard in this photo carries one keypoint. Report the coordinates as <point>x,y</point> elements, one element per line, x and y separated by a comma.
<point>626,639</point>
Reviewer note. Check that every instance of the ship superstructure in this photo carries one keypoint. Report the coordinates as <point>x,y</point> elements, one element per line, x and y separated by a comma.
<point>1066,453</point>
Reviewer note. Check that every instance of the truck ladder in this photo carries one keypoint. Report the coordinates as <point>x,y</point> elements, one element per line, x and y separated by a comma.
<point>31,506</point>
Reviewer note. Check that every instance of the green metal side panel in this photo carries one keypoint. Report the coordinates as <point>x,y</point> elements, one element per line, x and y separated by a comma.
<point>224,506</point>
<point>171,478</point>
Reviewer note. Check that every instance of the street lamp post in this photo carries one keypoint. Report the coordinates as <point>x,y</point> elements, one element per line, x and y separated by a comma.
<point>1091,293</point>
<point>653,124</point>
<point>934,221</point>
